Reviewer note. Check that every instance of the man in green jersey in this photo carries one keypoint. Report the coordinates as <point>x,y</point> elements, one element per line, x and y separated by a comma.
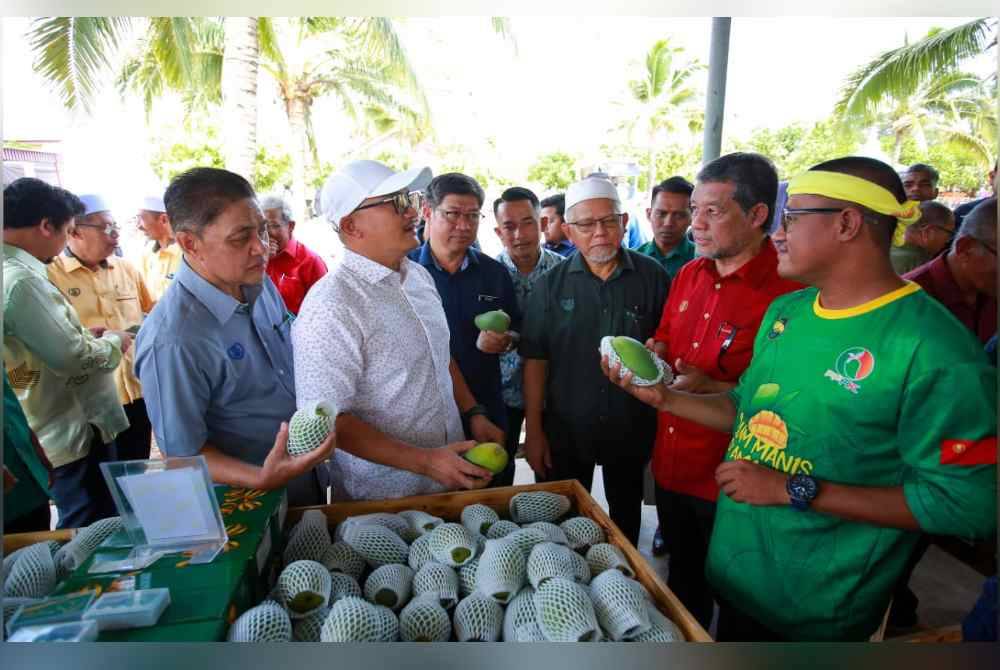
<point>867,415</point>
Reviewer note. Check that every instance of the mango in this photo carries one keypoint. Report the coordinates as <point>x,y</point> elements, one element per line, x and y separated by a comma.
<point>497,321</point>
<point>635,356</point>
<point>489,455</point>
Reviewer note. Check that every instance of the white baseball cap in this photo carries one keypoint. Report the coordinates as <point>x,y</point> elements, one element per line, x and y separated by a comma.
<point>94,203</point>
<point>153,203</point>
<point>589,189</point>
<point>359,180</point>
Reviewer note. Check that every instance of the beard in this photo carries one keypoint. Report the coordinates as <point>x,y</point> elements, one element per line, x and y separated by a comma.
<point>604,255</point>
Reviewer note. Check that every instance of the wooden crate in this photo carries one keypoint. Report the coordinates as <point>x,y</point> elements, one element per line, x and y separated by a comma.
<point>449,506</point>
<point>15,541</point>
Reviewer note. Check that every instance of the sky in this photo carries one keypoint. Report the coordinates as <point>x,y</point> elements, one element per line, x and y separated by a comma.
<point>560,90</point>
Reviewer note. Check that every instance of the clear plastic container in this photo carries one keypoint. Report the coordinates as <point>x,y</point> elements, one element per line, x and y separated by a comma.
<point>59,609</point>
<point>74,631</point>
<point>128,609</point>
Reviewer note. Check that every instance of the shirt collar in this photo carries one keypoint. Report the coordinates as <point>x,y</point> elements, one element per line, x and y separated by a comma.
<point>755,271</point>
<point>364,267</point>
<point>35,265</point>
<point>221,305</point>
<point>563,244</point>
<point>944,280</point>
<point>73,263</point>
<point>427,259</point>
<point>292,248</point>
<point>685,246</point>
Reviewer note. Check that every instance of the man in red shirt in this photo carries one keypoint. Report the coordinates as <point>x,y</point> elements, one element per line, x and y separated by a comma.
<point>292,267</point>
<point>706,333</point>
<point>965,279</point>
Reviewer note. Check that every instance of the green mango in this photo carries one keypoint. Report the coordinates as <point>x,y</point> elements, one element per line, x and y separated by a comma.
<point>765,395</point>
<point>497,321</point>
<point>489,455</point>
<point>635,356</point>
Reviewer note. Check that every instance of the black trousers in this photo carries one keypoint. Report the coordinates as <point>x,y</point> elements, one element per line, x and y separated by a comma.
<point>79,490</point>
<point>904,600</point>
<point>134,443</point>
<point>735,626</point>
<point>515,419</point>
<point>686,526</point>
<point>622,452</point>
<point>38,519</point>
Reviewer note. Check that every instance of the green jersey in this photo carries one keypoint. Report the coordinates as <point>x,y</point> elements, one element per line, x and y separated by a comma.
<point>895,392</point>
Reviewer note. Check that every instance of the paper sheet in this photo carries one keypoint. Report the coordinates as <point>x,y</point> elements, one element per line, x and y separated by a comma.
<point>170,504</point>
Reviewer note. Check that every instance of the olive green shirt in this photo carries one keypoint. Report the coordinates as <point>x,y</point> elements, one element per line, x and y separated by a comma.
<point>673,261</point>
<point>567,314</point>
<point>907,257</point>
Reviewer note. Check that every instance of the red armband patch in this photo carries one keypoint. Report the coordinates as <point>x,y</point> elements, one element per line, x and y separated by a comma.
<point>969,452</point>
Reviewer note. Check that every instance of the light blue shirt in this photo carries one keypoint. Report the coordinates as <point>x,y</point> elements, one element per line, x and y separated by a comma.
<point>216,370</point>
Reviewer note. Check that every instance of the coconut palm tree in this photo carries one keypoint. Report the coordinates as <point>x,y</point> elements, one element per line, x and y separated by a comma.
<point>663,98</point>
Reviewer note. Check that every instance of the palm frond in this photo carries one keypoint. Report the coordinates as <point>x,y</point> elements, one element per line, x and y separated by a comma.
<point>502,27</point>
<point>71,53</point>
<point>173,41</point>
<point>268,40</point>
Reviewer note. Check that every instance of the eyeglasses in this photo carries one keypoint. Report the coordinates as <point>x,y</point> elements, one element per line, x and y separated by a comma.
<point>401,202</point>
<point>106,228</point>
<point>609,223</point>
<point>789,215</point>
<point>453,215</point>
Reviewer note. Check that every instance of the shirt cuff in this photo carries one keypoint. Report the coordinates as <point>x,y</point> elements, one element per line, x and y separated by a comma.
<point>115,357</point>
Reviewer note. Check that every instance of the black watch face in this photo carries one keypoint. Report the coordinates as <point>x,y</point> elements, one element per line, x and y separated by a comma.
<point>802,487</point>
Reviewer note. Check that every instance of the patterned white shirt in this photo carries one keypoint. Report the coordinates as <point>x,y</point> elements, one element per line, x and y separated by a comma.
<point>375,343</point>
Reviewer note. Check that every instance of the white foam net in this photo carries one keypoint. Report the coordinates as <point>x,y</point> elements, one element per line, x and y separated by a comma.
<point>304,587</point>
<point>553,533</point>
<point>309,539</point>
<point>308,429</point>
<point>389,585</point>
<point>604,556</point>
<point>501,528</point>
<point>307,629</point>
<point>661,628</point>
<point>582,532</point>
<point>478,518</point>
<point>352,620</point>
<point>520,617</point>
<point>74,553</point>
<point>467,577</point>
<point>341,557</point>
<point>664,373</point>
<point>393,522</point>
<point>424,620</point>
<point>619,604</point>
<point>421,522</point>
<point>377,545</point>
<point>501,572</point>
<point>452,544</point>
<point>538,506</point>
<point>564,612</point>
<point>268,622</point>
<point>420,552</point>
<point>33,574</point>
<point>548,560</point>
<point>478,619</point>
<point>526,539</point>
<point>343,586</point>
<point>437,581</point>
<point>388,624</point>
<point>581,570</point>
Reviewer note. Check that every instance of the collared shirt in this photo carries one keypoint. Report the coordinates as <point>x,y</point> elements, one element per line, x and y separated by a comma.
<point>907,257</point>
<point>32,488</point>
<point>216,370</point>
<point>114,296</point>
<point>710,322</point>
<point>673,261</point>
<point>374,342</point>
<point>159,265</point>
<point>511,364</point>
<point>564,248</point>
<point>936,278</point>
<point>480,285</point>
<point>568,312</point>
<point>62,374</point>
<point>294,270</point>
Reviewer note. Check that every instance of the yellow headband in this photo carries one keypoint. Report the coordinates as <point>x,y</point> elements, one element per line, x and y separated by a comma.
<point>861,191</point>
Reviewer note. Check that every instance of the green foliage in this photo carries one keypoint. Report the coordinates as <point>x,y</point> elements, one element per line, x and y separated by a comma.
<point>200,147</point>
<point>958,167</point>
<point>796,148</point>
<point>555,171</point>
<point>272,170</point>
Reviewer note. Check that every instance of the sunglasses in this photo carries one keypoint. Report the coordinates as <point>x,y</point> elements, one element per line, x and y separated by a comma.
<point>401,202</point>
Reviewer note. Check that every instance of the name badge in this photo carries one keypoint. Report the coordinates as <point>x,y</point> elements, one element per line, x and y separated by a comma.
<point>487,298</point>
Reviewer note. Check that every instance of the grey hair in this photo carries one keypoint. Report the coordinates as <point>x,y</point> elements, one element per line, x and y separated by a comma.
<point>616,204</point>
<point>274,201</point>
<point>981,223</point>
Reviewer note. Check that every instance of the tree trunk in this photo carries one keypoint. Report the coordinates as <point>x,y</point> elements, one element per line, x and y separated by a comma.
<point>240,60</point>
<point>897,147</point>
<point>297,108</point>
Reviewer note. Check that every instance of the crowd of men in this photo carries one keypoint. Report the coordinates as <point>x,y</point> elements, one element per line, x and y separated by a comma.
<point>831,403</point>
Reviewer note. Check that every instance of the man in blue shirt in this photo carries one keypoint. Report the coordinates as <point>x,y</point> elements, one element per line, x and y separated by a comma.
<point>470,283</point>
<point>553,217</point>
<point>215,356</point>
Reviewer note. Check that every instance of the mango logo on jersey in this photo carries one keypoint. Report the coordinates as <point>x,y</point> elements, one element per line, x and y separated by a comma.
<point>852,366</point>
<point>763,438</point>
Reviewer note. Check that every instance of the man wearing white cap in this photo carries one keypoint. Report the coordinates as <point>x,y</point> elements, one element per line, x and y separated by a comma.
<point>163,256</point>
<point>574,417</point>
<point>60,372</point>
<point>372,338</point>
<point>107,292</point>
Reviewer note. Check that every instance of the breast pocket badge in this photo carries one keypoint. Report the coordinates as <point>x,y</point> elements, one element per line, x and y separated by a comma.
<point>567,304</point>
<point>236,352</point>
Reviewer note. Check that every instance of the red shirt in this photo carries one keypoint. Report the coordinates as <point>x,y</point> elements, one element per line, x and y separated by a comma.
<point>293,270</point>
<point>710,322</point>
<point>935,277</point>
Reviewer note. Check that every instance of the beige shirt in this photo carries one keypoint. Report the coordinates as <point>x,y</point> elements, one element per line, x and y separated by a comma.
<point>158,266</point>
<point>62,374</point>
<point>115,296</point>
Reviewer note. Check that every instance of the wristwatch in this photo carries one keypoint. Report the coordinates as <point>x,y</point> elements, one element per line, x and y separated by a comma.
<point>802,489</point>
<point>475,410</point>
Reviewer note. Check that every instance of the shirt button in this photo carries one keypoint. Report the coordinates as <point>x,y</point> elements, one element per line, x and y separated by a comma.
<point>670,429</point>
<point>695,345</point>
<point>959,448</point>
<point>707,315</point>
<point>718,286</point>
<point>281,372</point>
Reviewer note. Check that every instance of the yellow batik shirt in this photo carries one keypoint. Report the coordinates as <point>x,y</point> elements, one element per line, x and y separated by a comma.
<point>159,264</point>
<point>115,297</point>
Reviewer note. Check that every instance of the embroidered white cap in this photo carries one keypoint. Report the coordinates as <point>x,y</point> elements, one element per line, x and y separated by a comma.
<point>94,203</point>
<point>359,180</point>
<point>589,189</point>
<point>153,203</point>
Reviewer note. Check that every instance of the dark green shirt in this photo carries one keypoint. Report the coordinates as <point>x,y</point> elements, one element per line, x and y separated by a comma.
<point>31,490</point>
<point>568,313</point>
<point>674,260</point>
<point>907,257</point>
